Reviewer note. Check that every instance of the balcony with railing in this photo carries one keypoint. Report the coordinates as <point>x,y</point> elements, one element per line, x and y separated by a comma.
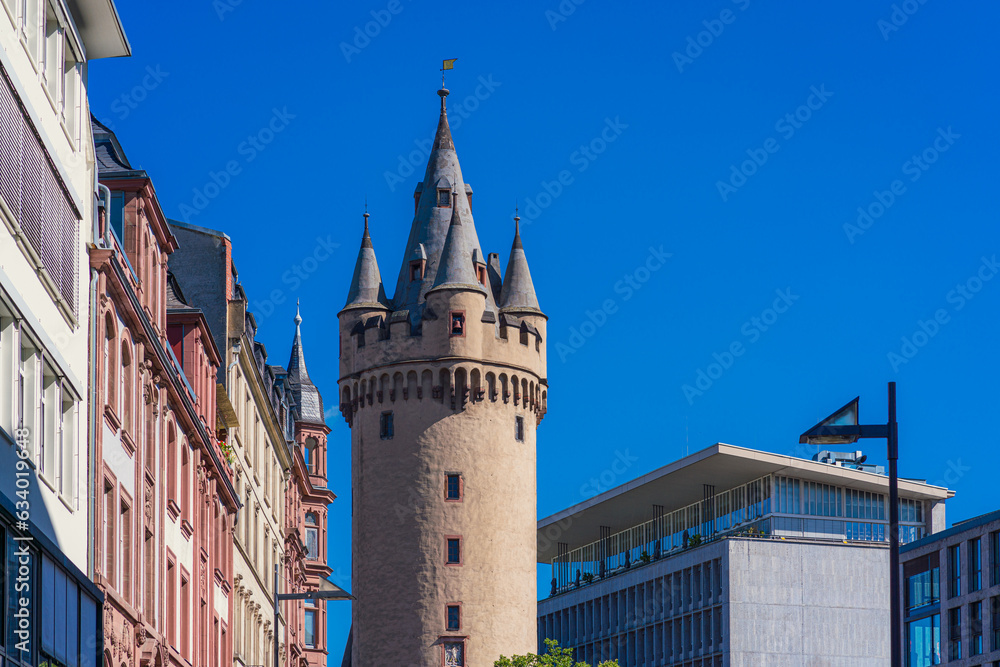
<point>770,507</point>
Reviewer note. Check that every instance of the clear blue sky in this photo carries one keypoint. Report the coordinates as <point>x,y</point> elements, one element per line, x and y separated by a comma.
<point>881,95</point>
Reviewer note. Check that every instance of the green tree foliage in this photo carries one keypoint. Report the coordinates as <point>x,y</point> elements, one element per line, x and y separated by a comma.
<point>554,657</point>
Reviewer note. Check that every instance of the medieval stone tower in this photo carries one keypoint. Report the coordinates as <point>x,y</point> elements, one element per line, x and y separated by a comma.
<point>443,386</point>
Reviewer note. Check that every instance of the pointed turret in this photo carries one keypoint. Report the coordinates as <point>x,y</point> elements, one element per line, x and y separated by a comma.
<point>308,405</point>
<point>366,290</point>
<point>441,197</point>
<point>518,292</point>
<point>457,269</point>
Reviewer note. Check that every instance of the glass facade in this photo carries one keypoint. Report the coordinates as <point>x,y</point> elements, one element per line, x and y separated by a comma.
<point>976,628</point>
<point>954,570</point>
<point>955,633</point>
<point>923,589</point>
<point>975,565</point>
<point>58,625</point>
<point>924,641</point>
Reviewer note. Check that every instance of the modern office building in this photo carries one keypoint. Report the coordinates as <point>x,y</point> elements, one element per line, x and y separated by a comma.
<point>731,557</point>
<point>951,595</point>
<point>51,609</point>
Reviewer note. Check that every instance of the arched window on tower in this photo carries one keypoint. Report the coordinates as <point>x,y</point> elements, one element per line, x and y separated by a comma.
<point>312,536</point>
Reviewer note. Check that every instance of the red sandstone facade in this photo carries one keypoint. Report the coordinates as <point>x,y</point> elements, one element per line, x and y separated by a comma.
<point>165,499</point>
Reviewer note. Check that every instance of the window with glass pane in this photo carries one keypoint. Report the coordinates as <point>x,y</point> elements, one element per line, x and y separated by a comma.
<point>454,491</point>
<point>955,633</point>
<point>995,623</point>
<point>312,543</point>
<point>976,628</point>
<point>310,629</point>
<point>454,617</point>
<point>924,641</point>
<point>975,565</point>
<point>454,654</point>
<point>954,570</point>
<point>995,558</point>
<point>454,550</point>
<point>923,589</point>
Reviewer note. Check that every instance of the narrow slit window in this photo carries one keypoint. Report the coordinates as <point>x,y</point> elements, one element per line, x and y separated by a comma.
<point>454,551</point>
<point>454,614</point>
<point>385,426</point>
<point>519,428</point>
<point>453,488</point>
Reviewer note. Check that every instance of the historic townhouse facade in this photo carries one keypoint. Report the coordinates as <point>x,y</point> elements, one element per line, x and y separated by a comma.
<point>279,459</point>
<point>52,611</point>
<point>261,439</point>
<point>165,500</point>
<point>307,497</point>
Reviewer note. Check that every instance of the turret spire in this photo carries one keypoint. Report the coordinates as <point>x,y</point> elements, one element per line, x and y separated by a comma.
<point>441,196</point>
<point>456,269</point>
<point>308,403</point>
<point>366,290</point>
<point>518,292</point>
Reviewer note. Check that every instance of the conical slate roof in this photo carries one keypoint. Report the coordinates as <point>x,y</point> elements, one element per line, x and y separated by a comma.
<point>518,292</point>
<point>308,403</point>
<point>366,289</point>
<point>431,224</point>
<point>456,269</point>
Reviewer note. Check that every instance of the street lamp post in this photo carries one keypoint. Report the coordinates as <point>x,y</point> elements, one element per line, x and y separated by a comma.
<point>842,427</point>
<point>327,591</point>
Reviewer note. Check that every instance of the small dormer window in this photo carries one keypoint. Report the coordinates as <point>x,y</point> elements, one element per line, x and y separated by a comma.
<point>458,323</point>
<point>481,273</point>
<point>416,271</point>
<point>444,198</point>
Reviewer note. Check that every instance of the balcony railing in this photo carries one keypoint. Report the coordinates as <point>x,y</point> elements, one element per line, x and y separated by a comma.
<point>737,510</point>
<point>747,510</point>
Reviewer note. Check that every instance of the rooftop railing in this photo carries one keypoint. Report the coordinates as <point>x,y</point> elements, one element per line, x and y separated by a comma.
<point>739,510</point>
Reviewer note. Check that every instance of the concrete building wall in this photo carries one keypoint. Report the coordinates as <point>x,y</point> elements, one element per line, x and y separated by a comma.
<point>800,603</point>
<point>738,602</point>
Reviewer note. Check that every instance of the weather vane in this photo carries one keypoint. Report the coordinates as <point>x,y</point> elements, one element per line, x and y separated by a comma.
<point>446,64</point>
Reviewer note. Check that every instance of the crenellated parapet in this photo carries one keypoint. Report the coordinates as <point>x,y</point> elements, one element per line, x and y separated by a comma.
<point>462,385</point>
